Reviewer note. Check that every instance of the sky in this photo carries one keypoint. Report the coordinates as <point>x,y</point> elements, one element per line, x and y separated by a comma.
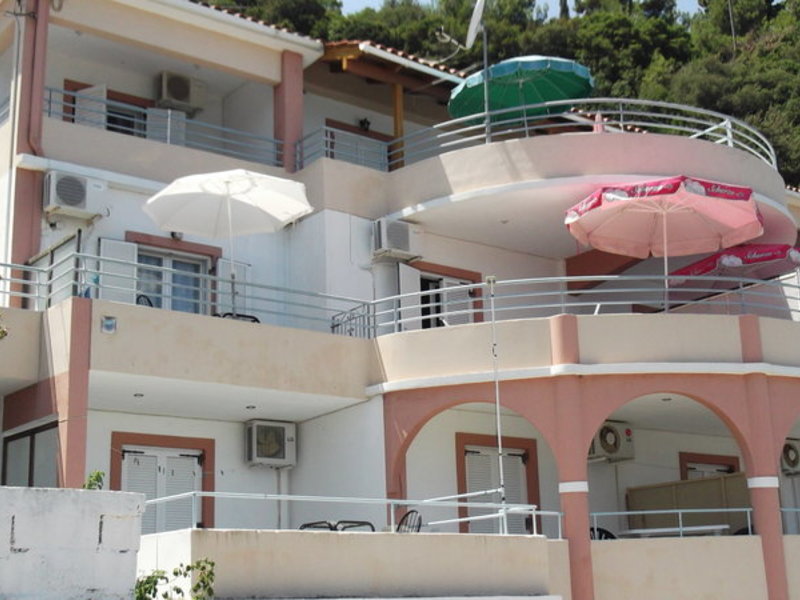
<point>350,6</point>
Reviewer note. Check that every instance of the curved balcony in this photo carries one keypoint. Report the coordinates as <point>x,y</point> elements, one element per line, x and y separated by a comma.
<point>606,115</point>
<point>586,295</point>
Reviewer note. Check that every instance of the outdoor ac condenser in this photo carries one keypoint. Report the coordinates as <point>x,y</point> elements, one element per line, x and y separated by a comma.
<point>790,457</point>
<point>179,92</point>
<point>71,195</point>
<point>614,442</point>
<point>271,444</point>
<point>394,239</point>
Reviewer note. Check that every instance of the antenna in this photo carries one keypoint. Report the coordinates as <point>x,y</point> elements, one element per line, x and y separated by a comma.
<point>475,23</point>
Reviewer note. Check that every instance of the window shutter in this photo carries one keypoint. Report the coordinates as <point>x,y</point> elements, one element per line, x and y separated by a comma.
<point>182,475</point>
<point>90,106</point>
<point>479,477</point>
<point>516,489</point>
<point>117,281</point>
<point>456,301</point>
<point>45,457</point>
<point>409,307</point>
<point>140,474</point>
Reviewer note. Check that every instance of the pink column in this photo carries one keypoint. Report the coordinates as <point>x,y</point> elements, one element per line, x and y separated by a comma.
<point>288,107</point>
<point>573,486</point>
<point>763,483</point>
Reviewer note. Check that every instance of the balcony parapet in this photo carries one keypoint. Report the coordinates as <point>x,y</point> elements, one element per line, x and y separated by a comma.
<point>595,115</point>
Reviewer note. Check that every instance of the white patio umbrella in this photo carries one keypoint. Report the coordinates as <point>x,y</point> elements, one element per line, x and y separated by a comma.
<point>226,204</point>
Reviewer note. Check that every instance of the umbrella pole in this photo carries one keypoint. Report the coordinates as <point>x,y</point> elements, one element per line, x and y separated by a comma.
<point>233,262</point>
<point>666,266</point>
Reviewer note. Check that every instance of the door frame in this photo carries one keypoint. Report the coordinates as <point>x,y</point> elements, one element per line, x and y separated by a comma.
<point>527,445</point>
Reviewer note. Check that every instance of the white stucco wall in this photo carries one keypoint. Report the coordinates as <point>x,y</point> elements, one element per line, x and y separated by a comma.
<point>60,544</point>
<point>341,454</point>
<point>231,471</point>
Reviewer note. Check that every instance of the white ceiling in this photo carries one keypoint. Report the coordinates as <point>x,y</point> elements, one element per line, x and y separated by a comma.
<point>202,400</point>
<point>115,55</point>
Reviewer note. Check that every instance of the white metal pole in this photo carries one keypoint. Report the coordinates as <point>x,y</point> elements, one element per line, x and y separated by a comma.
<point>486,82</point>
<point>491,280</point>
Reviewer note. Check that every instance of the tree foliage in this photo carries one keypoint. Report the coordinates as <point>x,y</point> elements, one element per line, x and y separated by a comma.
<point>739,57</point>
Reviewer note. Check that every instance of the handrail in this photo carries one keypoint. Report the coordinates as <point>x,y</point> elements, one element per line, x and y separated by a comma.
<point>678,512</point>
<point>172,127</point>
<point>391,503</point>
<point>611,115</point>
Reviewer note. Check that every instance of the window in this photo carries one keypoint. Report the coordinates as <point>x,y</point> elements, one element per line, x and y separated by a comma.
<point>30,458</point>
<point>172,282</point>
<point>159,472</point>
<point>125,119</point>
<point>447,306</point>
<point>700,466</point>
<point>478,469</point>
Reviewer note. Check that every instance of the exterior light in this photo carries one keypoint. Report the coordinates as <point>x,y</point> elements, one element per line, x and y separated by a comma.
<point>108,324</point>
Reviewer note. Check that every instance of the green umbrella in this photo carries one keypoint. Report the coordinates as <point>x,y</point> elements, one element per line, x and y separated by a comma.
<point>520,81</point>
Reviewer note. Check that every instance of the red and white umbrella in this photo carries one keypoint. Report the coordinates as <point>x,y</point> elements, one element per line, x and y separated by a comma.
<point>665,217</point>
<point>754,261</point>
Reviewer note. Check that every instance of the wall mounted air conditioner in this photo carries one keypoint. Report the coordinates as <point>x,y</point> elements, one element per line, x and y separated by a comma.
<point>614,442</point>
<point>179,92</point>
<point>72,195</point>
<point>271,443</point>
<point>394,239</point>
<point>790,457</point>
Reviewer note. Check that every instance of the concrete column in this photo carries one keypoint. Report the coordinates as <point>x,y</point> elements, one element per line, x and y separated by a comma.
<point>763,483</point>
<point>573,486</point>
<point>288,112</point>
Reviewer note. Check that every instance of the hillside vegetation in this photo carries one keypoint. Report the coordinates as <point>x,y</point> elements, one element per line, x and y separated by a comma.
<point>739,57</point>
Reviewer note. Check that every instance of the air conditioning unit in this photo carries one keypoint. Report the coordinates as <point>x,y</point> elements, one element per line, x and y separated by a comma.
<point>271,443</point>
<point>614,442</point>
<point>71,195</point>
<point>394,239</point>
<point>790,457</point>
<point>179,92</point>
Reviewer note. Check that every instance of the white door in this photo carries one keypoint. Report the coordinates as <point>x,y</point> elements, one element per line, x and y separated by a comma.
<point>159,472</point>
<point>483,473</point>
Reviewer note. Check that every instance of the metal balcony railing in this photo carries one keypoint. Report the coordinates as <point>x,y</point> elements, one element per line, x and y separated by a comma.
<point>76,274</point>
<point>172,127</point>
<point>609,115</point>
<point>188,505</point>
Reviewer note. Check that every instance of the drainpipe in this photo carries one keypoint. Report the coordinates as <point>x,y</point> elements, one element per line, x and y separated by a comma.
<point>41,16</point>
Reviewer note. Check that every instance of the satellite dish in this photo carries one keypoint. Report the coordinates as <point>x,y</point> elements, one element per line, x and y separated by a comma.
<point>475,23</point>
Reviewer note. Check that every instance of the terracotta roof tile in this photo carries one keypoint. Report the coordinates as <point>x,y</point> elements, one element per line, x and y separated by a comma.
<point>402,54</point>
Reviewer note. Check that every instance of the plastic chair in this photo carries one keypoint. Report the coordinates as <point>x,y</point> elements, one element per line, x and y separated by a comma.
<point>326,525</point>
<point>345,524</point>
<point>599,533</point>
<point>410,523</point>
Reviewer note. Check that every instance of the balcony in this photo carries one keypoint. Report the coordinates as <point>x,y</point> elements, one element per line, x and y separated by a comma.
<point>84,275</point>
<point>596,115</point>
<point>171,127</point>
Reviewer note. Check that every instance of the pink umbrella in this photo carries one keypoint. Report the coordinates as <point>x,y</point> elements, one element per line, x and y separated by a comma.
<point>754,261</point>
<point>675,216</point>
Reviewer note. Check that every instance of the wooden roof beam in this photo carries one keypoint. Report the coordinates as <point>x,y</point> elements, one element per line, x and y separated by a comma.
<point>411,84</point>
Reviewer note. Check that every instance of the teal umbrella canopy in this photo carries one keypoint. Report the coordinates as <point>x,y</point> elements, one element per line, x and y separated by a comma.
<point>521,81</point>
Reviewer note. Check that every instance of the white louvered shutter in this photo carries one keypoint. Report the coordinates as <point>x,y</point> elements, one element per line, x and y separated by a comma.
<point>224,287</point>
<point>117,280</point>
<point>90,106</point>
<point>140,474</point>
<point>516,489</point>
<point>457,303</point>
<point>479,477</point>
<point>182,474</point>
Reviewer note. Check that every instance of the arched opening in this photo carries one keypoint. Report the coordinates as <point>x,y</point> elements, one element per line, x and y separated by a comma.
<point>666,465</point>
<point>455,452</point>
<point>789,481</point>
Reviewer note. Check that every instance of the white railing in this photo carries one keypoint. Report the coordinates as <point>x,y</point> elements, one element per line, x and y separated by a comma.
<point>491,510</point>
<point>77,274</point>
<point>610,115</point>
<point>172,127</point>
<point>677,522</point>
<point>548,296</point>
